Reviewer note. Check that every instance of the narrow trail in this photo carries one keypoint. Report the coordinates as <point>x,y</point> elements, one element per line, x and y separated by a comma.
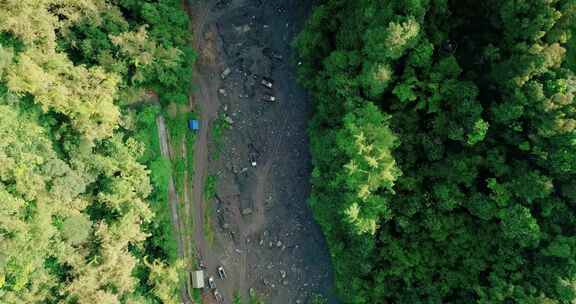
<point>173,202</point>
<point>186,220</point>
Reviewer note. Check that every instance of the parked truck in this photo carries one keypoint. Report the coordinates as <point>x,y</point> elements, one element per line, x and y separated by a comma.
<point>221,272</point>
<point>269,98</point>
<point>267,82</point>
<point>211,283</point>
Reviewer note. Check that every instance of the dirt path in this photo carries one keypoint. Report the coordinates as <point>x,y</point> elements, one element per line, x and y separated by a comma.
<point>265,236</point>
<point>208,113</point>
<point>206,102</point>
<point>173,201</point>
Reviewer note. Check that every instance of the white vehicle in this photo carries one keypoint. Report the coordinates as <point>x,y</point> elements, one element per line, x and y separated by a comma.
<point>252,155</point>
<point>211,283</point>
<point>277,56</point>
<point>252,158</point>
<point>218,296</point>
<point>225,73</point>
<point>221,272</point>
<point>269,98</point>
<point>267,82</point>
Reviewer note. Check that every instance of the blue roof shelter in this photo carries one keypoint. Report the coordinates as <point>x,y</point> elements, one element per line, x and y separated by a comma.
<point>193,125</point>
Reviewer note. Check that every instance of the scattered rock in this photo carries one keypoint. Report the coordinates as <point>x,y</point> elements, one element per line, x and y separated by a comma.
<point>243,40</point>
<point>243,29</point>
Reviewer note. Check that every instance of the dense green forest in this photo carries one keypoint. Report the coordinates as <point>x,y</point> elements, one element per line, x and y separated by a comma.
<point>81,213</point>
<point>444,148</point>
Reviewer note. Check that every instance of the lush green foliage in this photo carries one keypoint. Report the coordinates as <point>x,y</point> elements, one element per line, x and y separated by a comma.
<point>82,217</point>
<point>443,145</point>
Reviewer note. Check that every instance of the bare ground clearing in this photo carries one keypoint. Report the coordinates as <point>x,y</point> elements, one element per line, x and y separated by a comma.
<point>265,236</point>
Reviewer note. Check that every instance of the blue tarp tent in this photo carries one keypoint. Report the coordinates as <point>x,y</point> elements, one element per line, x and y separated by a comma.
<point>193,124</point>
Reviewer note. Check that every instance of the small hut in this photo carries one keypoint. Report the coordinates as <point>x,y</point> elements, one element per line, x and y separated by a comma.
<point>197,278</point>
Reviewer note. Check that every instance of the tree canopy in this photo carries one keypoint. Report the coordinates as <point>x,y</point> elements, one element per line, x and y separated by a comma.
<point>443,148</point>
<point>77,213</point>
